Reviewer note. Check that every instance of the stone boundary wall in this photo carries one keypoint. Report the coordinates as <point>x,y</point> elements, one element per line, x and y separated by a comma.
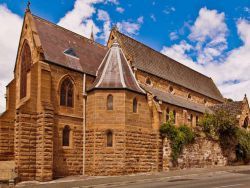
<point>202,153</point>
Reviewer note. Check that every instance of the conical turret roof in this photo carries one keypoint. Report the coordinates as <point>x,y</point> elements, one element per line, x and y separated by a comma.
<point>115,73</point>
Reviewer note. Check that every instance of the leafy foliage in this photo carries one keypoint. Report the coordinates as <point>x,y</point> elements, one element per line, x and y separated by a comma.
<point>179,136</point>
<point>243,147</point>
<point>222,126</point>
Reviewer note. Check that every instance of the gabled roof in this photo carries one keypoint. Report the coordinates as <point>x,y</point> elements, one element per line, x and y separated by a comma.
<point>115,72</point>
<point>148,60</point>
<point>234,108</point>
<point>175,100</point>
<point>56,40</point>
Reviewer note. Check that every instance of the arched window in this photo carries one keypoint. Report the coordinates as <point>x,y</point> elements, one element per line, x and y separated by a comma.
<point>174,113</point>
<point>148,81</point>
<point>25,68</point>
<point>204,101</point>
<point>110,102</point>
<point>167,114</point>
<point>67,93</point>
<point>109,138</point>
<point>66,136</point>
<point>191,119</point>
<point>246,121</point>
<point>171,89</point>
<point>197,120</point>
<point>135,105</point>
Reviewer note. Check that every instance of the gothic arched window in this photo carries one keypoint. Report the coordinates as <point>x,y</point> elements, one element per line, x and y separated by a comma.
<point>246,121</point>
<point>66,136</point>
<point>110,102</point>
<point>174,113</point>
<point>191,119</point>
<point>197,120</point>
<point>67,93</point>
<point>25,68</point>
<point>167,114</point>
<point>109,138</point>
<point>148,81</point>
<point>171,89</point>
<point>135,105</point>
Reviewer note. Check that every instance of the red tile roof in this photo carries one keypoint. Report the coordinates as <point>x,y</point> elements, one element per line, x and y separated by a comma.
<point>55,40</point>
<point>148,60</point>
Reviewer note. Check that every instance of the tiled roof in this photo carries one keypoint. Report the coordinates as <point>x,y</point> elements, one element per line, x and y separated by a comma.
<point>175,100</point>
<point>115,72</point>
<point>148,60</point>
<point>234,107</point>
<point>56,40</point>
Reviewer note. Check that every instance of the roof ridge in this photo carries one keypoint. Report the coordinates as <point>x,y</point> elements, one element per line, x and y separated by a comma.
<point>164,55</point>
<point>63,28</point>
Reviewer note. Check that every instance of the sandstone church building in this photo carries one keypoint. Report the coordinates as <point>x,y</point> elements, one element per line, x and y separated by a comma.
<point>77,107</point>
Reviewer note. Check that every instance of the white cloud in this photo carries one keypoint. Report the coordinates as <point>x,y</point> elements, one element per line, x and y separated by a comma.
<point>80,19</point>
<point>9,37</point>
<point>247,9</point>
<point>173,36</point>
<point>140,20</point>
<point>169,10</point>
<point>209,24</point>
<point>209,32</point>
<point>129,27</point>
<point>231,72</point>
<point>116,2</point>
<point>104,16</point>
<point>120,9</point>
<point>152,16</point>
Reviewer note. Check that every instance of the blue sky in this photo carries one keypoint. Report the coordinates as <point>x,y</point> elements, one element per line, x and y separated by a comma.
<point>210,36</point>
<point>170,15</point>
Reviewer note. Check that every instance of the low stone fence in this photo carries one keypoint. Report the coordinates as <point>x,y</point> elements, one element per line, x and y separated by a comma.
<point>7,173</point>
<point>202,153</point>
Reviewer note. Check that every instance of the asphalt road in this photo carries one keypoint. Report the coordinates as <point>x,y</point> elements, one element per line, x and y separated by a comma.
<point>225,177</point>
<point>219,180</point>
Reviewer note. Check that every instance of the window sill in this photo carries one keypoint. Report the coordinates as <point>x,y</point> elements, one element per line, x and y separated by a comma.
<point>23,101</point>
<point>67,147</point>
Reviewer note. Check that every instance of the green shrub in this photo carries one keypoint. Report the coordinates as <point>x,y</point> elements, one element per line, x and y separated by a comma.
<point>243,138</point>
<point>222,126</point>
<point>179,137</point>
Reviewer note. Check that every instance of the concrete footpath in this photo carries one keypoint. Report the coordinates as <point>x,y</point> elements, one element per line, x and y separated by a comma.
<point>116,181</point>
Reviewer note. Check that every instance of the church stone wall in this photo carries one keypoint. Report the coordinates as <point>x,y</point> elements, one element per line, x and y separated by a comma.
<point>245,113</point>
<point>7,123</point>
<point>164,85</point>
<point>6,140</point>
<point>68,160</point>
<point>183,116</point>
<point>25,145</point>
<point>142,141</point>
<point>100,159</point>
<point>142,150</point>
